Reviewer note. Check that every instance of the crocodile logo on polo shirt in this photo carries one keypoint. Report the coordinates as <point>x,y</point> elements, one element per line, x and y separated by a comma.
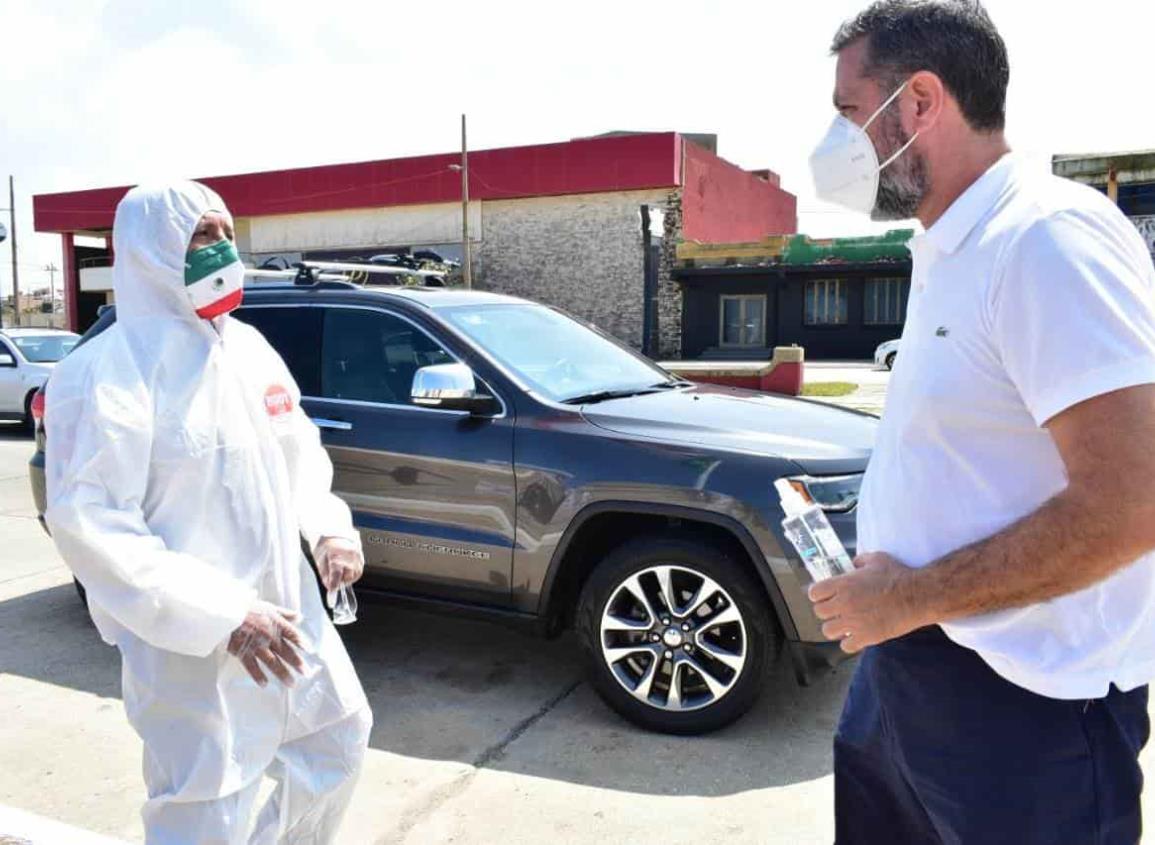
<point>943,331</point>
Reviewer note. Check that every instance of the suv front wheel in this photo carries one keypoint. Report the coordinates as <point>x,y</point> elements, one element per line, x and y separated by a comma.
<point>676,634</point>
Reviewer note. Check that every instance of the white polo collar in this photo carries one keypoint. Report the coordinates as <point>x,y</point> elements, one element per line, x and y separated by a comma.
<point>960,219</point>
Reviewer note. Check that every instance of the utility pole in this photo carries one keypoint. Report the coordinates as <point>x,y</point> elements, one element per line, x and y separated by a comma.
<point>15,269</point>
<point>466,262</point>
<point>647,287</point>
<point>51,268</point>
<point>463,167</point>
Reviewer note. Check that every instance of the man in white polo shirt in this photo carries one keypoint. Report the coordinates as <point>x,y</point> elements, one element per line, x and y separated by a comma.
<point>1004,599</point>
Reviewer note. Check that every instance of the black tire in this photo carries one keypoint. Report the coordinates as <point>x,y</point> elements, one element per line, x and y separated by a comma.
<point>317,577</point>
<point>28,421</point>
<point>688,555</point>
<point>890,360</point>
<point>80,591</point>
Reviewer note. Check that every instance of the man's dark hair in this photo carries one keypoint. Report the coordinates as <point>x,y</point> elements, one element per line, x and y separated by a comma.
<point>953,39</point>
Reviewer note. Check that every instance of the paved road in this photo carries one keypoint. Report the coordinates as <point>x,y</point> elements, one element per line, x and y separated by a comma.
<point>483,735</point>
<point>872,383</point>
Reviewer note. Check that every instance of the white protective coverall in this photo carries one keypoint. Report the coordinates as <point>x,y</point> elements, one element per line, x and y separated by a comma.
<point>180,480</point>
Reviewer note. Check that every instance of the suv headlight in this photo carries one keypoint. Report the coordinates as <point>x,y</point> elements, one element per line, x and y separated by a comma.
<point>836,493</point>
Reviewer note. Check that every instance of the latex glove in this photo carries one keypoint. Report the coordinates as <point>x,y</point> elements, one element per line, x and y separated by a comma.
<point>339,561</point>
<point>268,640</point>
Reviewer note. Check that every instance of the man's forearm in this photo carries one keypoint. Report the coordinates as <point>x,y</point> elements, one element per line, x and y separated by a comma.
<point>1068,544</point>
<point>1103,521</point>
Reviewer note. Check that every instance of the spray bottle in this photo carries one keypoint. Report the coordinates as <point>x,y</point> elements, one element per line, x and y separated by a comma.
<point>811,534</point>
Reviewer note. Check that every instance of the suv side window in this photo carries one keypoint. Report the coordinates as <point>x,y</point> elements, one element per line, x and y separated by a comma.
<point>296,335</point>
<point>372,356</point>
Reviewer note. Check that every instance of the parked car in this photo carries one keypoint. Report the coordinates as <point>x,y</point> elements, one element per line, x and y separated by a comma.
<point>393,259</point>
<point>886,354</point>
<point>505,460</point>
<point>429,258</point>
<point>27,356</point>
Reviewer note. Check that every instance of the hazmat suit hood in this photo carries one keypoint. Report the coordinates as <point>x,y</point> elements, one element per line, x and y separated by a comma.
<point>151,233</point>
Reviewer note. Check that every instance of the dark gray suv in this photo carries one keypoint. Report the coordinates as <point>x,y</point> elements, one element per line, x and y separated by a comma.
<point>502,458</point>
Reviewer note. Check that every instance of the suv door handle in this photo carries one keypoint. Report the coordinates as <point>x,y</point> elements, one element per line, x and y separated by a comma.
<point>335,425</point>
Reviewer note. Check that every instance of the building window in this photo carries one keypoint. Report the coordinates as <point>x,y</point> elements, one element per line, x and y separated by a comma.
<point>743,321</point>
<point>885,303</point>
<point>826,302</point>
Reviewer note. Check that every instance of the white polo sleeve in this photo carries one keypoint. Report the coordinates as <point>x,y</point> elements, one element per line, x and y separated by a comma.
<point>1073,311</point>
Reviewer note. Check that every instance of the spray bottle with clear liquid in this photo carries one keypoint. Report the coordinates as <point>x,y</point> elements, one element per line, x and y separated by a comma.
<point>811,534</point>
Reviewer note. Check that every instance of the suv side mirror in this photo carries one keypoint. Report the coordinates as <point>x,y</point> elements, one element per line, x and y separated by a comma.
<point>6,360</point>
<point>452,387</point>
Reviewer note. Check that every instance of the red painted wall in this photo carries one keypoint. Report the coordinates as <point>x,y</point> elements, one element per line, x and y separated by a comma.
<point>786,378</point>
<point>722,203</point>
<point>633,162</point>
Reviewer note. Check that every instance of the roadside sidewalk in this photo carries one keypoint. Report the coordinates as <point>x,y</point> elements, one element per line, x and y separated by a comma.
<point>20,828</point>
<point>870,396</point>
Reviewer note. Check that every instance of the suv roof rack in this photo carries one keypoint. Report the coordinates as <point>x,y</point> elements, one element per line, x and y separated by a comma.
<point>295,278</point>
<point>357,269</point>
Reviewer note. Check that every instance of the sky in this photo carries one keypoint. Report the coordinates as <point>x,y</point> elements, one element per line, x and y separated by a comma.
<point>107,92</point>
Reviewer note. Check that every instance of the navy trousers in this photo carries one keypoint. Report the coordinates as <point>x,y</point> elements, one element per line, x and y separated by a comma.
<point>935,747</point>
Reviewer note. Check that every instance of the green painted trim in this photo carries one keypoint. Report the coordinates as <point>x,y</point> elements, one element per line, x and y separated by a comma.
<point>892,246</point>
<point>802,251</point>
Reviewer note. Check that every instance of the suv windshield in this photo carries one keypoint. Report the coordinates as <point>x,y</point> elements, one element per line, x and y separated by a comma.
<point>45,348</point>
<point>555,355</point>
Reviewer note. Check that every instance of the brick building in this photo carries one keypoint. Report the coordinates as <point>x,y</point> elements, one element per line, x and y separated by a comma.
<point>558,223</point>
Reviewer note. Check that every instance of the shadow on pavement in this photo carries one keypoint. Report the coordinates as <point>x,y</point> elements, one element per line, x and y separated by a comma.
<point>47,635</point>
<point>450,689</point>
<point>484,695</point>
<point>14,431</point>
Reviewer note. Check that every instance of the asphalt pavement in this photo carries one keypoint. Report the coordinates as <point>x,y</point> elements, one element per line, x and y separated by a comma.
<point>482,735</point>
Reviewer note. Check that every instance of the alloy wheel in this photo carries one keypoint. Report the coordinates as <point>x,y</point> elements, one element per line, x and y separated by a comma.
<point>673,638</point>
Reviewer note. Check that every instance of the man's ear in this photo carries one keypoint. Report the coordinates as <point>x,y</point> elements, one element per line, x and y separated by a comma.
<point>929,96</point>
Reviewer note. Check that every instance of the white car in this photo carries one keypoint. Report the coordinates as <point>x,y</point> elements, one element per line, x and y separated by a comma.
<point>886,354</point>
<point>27,357</point>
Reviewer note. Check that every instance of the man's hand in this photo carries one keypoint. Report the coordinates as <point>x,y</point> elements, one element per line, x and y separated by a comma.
<point>868,606</point>
<point>1102,522</point>
<point>268,638</point>
<point>339,561</point>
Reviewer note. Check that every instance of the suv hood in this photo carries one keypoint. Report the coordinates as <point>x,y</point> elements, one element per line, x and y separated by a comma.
<point>821,439</point>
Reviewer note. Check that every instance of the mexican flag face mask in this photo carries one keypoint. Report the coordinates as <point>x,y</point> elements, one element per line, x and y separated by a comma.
<point>214,279</point>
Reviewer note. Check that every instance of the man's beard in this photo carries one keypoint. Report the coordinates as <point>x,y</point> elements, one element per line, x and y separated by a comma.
<point>903,185</point>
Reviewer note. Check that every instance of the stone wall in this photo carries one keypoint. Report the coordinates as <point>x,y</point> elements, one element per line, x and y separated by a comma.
<point>581,253</point>
<point>669,290</point>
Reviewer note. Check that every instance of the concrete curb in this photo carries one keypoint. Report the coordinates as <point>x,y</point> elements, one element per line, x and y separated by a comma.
<point>18,827</point>
<point>782,374</point>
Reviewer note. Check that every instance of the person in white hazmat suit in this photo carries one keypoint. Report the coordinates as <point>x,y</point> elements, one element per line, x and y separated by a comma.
<point>182,474</point>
